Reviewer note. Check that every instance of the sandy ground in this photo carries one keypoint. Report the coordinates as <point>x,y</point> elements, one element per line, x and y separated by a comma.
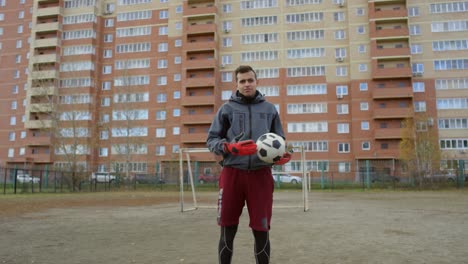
<point>340,227</point>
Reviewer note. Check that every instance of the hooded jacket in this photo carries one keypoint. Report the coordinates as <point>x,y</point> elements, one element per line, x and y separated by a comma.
<point>248,118</point>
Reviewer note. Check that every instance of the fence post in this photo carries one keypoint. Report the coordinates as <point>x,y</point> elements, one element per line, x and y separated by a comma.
<point>368,174</point>
<point>322,174</point>
<point>461,174</point>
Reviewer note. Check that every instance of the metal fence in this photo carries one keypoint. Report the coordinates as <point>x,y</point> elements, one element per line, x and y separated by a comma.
<point>364,174</point>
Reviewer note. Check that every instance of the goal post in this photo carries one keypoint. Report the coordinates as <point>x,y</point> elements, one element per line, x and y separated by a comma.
<point>186,165</point>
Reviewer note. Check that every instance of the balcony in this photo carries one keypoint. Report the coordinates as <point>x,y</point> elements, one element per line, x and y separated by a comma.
<point>198,100</point>
<point>200,64</point>
<point>41,108</point>
<point>385,31</point>
<point>47,42</point>
<point>199,9</point>
<point>390,93</point>
<point>48,11</point>
<point>38,124</point>
<point>200,82</point>
<point>375,14</point>
<point>200,28</point>
<point>49,74</point>
<point>197,119</point>
<point>41,158</point>
<point>38,141</point>
<point>193,137</point>
<point>47,27</point>
<point>393,113</point>
<point>42,91</point>
<point>390,52</point>
<point>394,72</point>
<point>45,58</point>
<point>388,133</point>
<point>200,45</point>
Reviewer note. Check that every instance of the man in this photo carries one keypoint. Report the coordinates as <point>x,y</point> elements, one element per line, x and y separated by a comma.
<point>244,178</point>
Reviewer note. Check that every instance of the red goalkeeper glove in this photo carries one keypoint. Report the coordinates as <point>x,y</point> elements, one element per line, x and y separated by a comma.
<point>241,148</point>
<point>283,160</point>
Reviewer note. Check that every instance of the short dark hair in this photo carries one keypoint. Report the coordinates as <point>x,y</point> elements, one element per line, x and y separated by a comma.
<point>244,69</point>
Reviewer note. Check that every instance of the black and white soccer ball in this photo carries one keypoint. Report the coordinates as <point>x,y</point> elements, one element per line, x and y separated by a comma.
<point>270,147</point>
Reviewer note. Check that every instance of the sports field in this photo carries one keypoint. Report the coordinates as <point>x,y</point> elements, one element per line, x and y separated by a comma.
<point>148,227</point>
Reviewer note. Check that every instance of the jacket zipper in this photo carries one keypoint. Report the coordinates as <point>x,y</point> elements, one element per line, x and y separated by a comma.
<point>250,132</point>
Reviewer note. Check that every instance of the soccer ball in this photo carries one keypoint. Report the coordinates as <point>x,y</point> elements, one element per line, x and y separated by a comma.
<point>270,147</point>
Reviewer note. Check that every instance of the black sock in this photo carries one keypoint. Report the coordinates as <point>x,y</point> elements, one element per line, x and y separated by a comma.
<point>226,244</point>
<point>262,247</point>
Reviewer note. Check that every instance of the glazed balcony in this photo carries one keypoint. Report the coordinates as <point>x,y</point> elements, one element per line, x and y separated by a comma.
<point>391,93</point>
<point>198,100</point>
<point>393,113</point>
<point>200,64</point>
<point>387,133</point>
<point>200,82</point>
<point>194,28</point>
<point>196,119</point>
<point>199,9</point>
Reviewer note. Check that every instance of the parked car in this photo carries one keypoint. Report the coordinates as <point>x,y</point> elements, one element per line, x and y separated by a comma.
<point>148,179</point>
<point>106,177</point>
<point>208,178</point>
<point>384,178</point>
<point>449,177</point>
<point>24,178</point>
<point>286,178</point>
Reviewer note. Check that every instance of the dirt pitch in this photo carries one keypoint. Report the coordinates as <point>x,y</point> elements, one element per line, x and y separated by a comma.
<point>148,227</point>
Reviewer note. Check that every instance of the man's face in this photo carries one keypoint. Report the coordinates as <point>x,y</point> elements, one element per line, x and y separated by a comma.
<point>247,84</point>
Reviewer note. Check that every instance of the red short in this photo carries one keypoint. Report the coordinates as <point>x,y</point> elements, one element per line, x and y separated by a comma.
<point>254,187</point>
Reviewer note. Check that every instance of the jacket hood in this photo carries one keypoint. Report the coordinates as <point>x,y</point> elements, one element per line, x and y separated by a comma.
<point>239,98</point>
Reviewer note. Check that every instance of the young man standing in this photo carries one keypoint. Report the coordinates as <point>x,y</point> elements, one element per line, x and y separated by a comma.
<point>245,179</point>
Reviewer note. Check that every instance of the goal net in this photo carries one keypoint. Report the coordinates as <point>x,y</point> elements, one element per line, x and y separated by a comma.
<point>195,172</point>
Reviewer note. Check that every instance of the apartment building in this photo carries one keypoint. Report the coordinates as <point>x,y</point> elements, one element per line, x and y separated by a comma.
<point>103,84</point>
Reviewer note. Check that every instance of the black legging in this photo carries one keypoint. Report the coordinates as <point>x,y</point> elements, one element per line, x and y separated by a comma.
<point>226,245</point>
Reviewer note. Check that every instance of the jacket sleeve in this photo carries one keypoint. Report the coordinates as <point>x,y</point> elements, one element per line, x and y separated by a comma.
<point>276,126</point>
<point>217,133</point>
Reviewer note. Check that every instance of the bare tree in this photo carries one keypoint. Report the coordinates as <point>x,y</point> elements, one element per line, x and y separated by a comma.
<point>419,148</point>
<point>55,116</point>
<point>127,133</point>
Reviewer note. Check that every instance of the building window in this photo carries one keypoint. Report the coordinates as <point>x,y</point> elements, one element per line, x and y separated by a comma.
<point>363,87</point>
<point>342,90</point>
<point>364,125</point>
<point>365,145</point>
<point>364,106</point>
<point>343,148</point>
<point>342,128</point>
<point>342,109</point>
<point>420,106</point>
<point>176,130</point>
<point>176,112</point>
<point>418,87</point>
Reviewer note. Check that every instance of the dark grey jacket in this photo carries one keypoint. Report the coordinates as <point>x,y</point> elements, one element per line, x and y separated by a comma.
<point>253,118</point>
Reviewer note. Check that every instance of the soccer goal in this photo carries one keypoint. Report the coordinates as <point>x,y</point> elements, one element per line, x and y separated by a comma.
<point>189,167</point>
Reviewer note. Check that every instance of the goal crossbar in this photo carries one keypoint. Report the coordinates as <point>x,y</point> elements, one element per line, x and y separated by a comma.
<point>195,206</point>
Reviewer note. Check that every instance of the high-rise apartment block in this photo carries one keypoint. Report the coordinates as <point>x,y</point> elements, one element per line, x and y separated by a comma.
<point>106,83</point>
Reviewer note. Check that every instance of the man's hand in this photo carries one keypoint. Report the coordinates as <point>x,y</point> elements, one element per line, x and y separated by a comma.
<point>241,148</point>
<point>284,159</point>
